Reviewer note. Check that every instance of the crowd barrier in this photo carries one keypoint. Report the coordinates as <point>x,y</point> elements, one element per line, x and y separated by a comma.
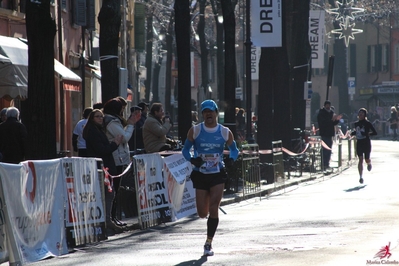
<point>50,206</point>
<point>250,168</point>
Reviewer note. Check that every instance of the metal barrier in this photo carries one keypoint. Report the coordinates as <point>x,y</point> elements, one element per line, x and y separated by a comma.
<point>315,154</point>
<point>345,155</point>
<point>278,163</point>
<point>250,169</point>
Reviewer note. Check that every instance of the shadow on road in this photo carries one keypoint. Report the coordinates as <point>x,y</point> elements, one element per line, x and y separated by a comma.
<point>200,261</point>
<point>355,188</point>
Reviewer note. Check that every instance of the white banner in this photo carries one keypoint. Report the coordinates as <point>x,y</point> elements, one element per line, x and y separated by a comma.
<point>255,56</point>
<point>176,170</point>
<point>153,201</point>
<point>316,37</point>
<point>33,207</point>
<point>85,212</point>
<point>188,205</point>
<point>266,26</point>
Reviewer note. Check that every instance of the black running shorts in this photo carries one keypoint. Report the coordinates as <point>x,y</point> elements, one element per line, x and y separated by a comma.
<point>363,147</point>
<point>206,181</point>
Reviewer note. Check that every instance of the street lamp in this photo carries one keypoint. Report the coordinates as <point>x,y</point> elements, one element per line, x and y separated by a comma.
<point>248,80</point>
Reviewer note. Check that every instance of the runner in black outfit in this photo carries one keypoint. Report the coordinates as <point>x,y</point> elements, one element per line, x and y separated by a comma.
<point>363,130</point>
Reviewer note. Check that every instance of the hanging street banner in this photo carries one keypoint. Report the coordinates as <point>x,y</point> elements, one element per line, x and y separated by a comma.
<point>316,37</point>
<point>266,25</point>
<point>255,56</point>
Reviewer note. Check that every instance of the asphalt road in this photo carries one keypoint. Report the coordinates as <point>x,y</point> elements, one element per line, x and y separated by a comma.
<point>329,221</point>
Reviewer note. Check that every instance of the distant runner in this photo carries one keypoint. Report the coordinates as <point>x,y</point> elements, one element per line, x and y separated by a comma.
<point>363,130</point>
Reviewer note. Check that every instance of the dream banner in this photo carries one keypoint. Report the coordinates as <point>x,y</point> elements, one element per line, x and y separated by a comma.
<point>266,25</point>
<point>316,37</point>
<point>85,212</point>
<point>32,208</point>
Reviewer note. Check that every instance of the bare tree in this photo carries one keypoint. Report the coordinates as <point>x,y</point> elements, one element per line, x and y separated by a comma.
<point>148,56</point>
<point>38,111</point>
<point>182,30</point>
<point>110,22</point>
<point>230,80</point>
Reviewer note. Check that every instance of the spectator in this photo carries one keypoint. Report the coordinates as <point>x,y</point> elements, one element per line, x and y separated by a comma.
<point>154,131</point>
<point>194,118</point>
<point>98,105</point>
<point>97,145</point>
<point>121,115</point>
<point>327,121</point>
<point>393,122</point>
<point>167,116</point>
<point>136,141</point>
<point>114,127</point>
<point>240,120</point>
<point>13,136</point>
<point>3,115</point>
<point>78,142</point>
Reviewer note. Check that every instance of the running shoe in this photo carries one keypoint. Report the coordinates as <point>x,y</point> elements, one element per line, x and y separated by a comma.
<point>208,250</point>
<point>361,180</point>
<point>369,167</point>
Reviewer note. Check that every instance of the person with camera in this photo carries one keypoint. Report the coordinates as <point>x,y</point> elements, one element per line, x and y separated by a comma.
<point>209,173</point>
<point>155,130</point>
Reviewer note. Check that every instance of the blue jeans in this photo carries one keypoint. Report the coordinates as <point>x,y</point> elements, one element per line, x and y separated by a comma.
<point>327,153</point>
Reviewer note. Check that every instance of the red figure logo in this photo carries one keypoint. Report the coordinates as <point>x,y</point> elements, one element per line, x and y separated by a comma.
<point>31,194</point>
<point>384,252</point>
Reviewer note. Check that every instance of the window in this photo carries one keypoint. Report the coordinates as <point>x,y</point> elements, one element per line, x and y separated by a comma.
<point>385,57</point>
<point>377,58</point>
<point>63,3</point>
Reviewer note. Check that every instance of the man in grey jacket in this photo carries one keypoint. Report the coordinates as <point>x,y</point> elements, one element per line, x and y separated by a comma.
<point>154,130</point>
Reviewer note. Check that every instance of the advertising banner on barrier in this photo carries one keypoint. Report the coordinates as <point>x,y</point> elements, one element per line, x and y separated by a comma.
<point>152,194</point>
<point>188,205</point>
<point>176,170</point>
<point>85,212</point>
<point>33,207</point>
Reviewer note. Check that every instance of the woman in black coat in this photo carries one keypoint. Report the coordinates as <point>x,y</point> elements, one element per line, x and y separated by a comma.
<point>97,142</point>
<point>98,145</point>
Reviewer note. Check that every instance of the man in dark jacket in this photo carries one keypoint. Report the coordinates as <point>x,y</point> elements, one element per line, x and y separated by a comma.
<point>13,138</point>
<point>136,141</point>
<point>327,120</point>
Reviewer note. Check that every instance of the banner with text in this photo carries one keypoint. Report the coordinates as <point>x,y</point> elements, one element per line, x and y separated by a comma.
<point>316,37</point>
<point>266,25</point>
<point>152,194</point>
<point>255,56</point>
<point>177,171</point>
<point>32,208</point>
<point>85,212</point>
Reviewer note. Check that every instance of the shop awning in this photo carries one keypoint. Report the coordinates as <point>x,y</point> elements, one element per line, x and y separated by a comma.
<point>71,81</point>
<point>14,69</point>
<point>388,99</point>
<point>385,99</point>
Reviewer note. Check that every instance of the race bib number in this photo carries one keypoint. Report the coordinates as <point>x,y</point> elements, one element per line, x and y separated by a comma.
<point>211,163</point>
